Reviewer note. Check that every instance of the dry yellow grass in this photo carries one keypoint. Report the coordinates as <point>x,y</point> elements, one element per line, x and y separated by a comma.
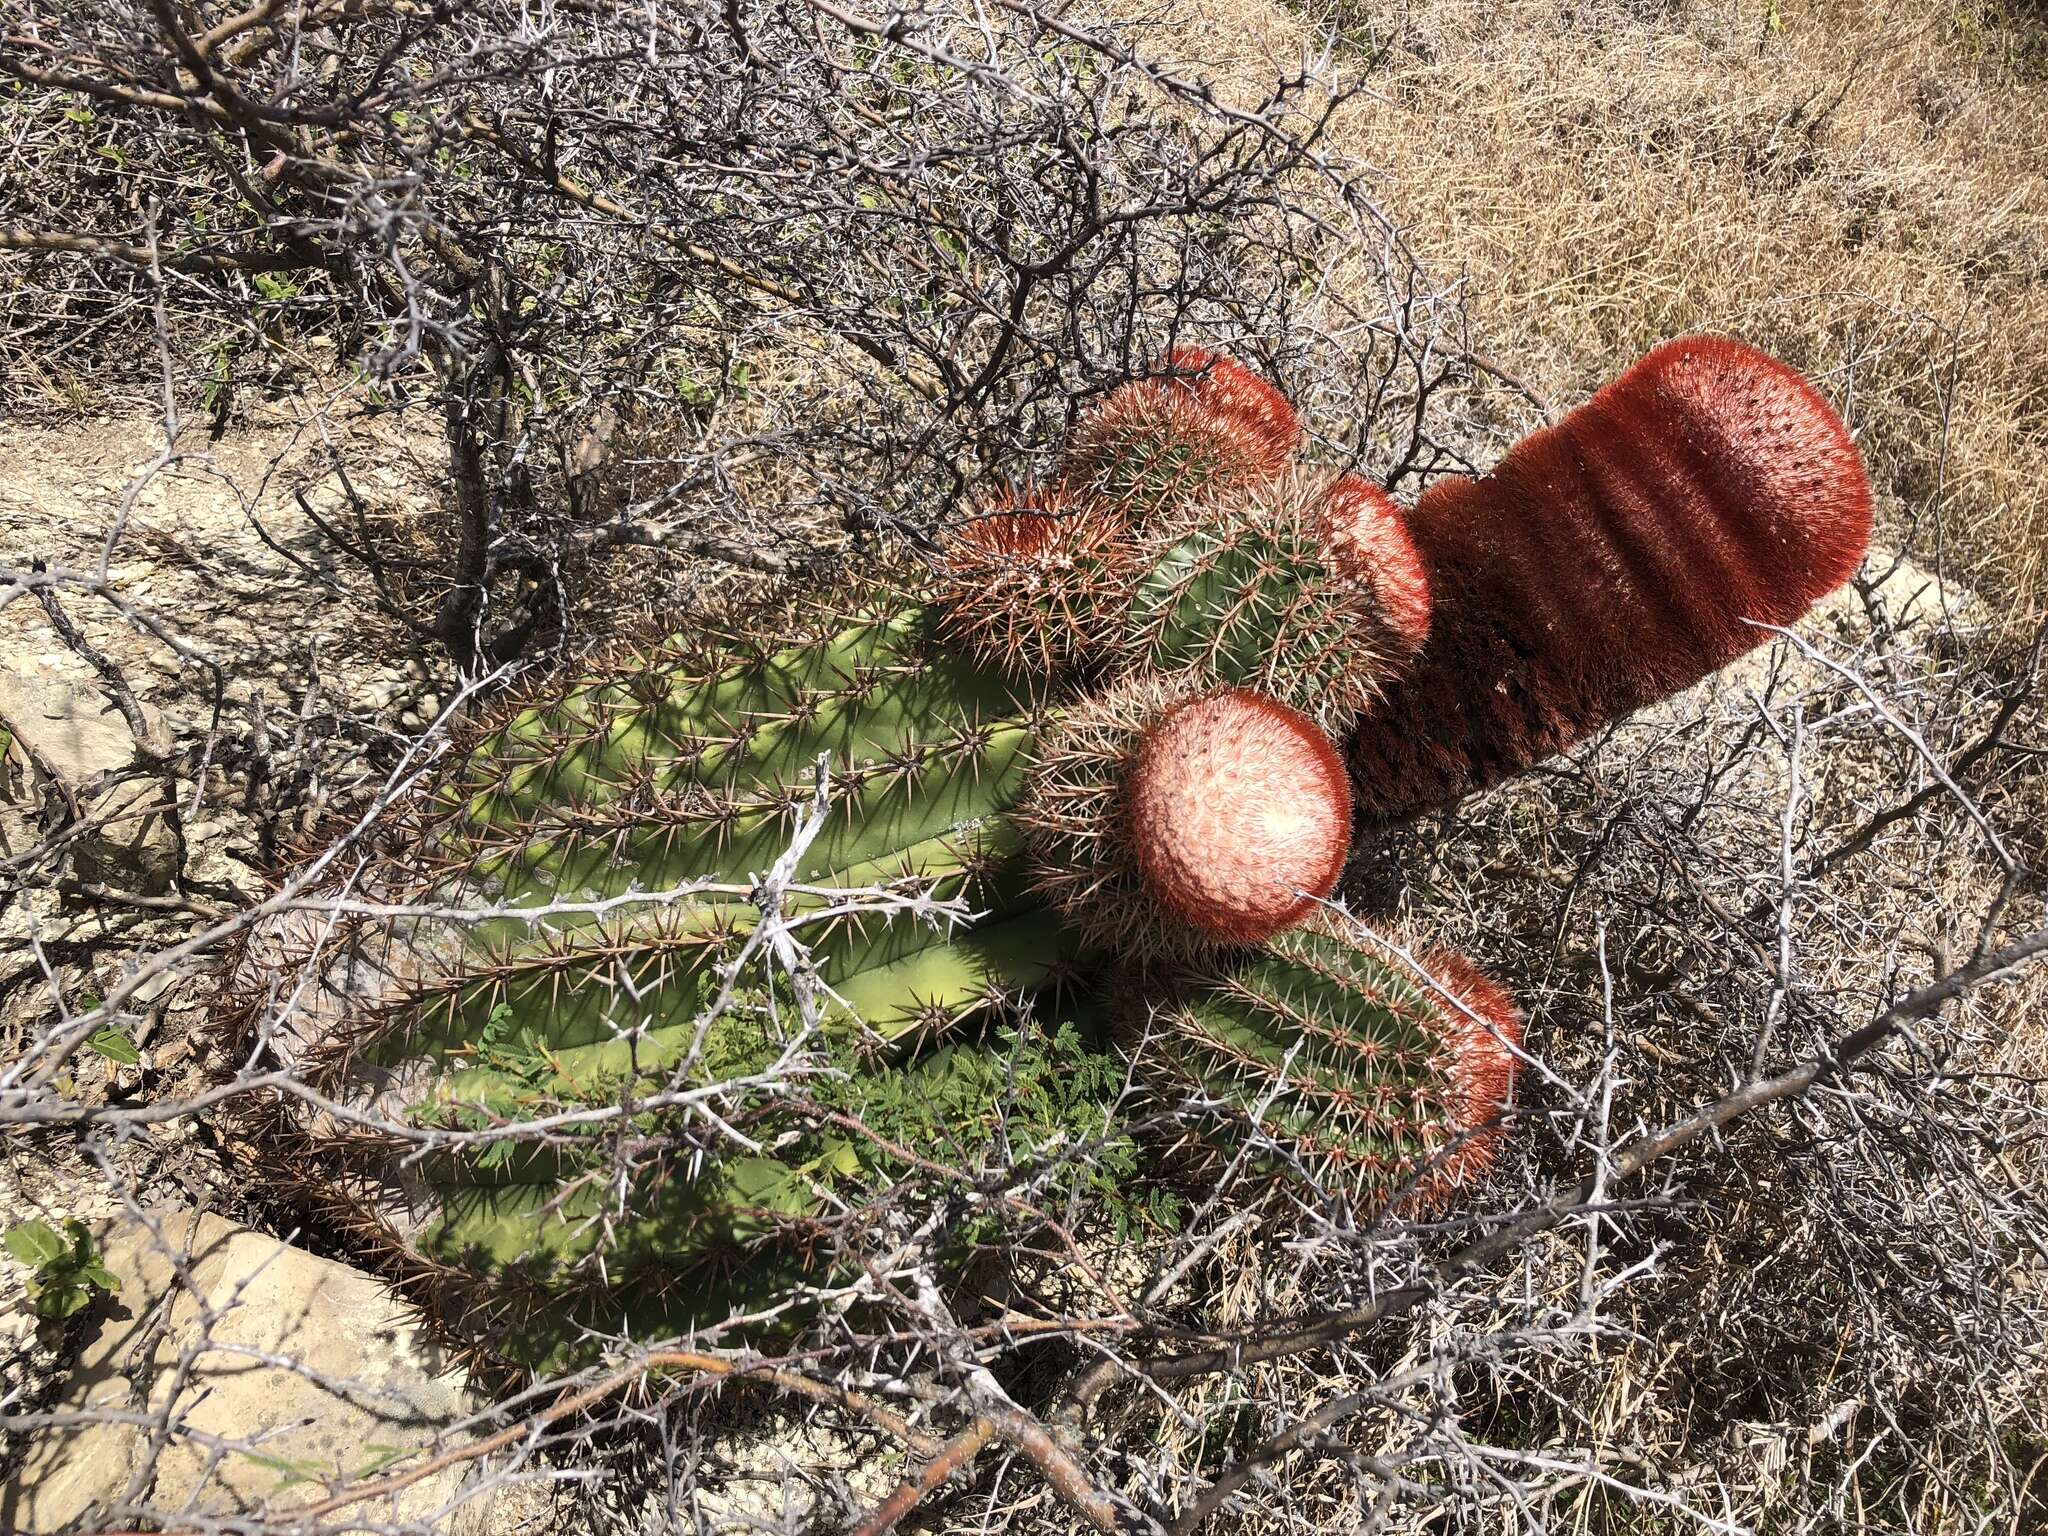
<point>1861,189</point>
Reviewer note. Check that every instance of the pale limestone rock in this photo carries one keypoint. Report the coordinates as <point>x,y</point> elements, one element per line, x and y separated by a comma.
<point>366,1383</point>
<point>53,704</point>
<point>62,722</point>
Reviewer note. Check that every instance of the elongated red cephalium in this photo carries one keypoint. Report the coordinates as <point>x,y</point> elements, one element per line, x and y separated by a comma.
<point>1238,815</point>
<point>1611,561</point>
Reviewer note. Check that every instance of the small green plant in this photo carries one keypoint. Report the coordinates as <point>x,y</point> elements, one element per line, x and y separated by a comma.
<point>64,1270</point>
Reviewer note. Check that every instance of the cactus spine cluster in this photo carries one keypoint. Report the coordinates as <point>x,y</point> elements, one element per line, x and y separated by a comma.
<point>1204,428</point>
<point>1345,1063</point>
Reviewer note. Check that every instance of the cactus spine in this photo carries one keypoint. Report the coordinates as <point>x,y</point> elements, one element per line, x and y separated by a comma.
<point>1284,589</point>
<point>1355,1070</point>
<point>1162,821</point>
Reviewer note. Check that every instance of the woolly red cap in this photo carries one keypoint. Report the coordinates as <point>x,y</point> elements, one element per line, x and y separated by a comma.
<point>1235,803</point>
<point>1751,481</point>
<point>1368,542</point>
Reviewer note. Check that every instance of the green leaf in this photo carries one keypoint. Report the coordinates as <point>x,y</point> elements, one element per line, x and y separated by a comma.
<point>113,1042</point>
<point>293,1470</point>
<point>60,1301</point>
<point>34,1242</point>
<point>381,1456</point>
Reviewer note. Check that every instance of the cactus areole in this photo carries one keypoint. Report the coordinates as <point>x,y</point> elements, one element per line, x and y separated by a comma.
<point>1239,815</point>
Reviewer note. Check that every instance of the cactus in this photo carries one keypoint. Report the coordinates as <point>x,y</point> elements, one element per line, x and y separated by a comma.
<point>1063,740</point>
<point>1157,443</point>
<point>1610,561</point>
<point>1164,821</point>
<point>1306,591</point>
<point>679,773</point>
<point>1035,585</point>
<point>1368,541</point>
<point>1227,387</point>
<point>682,769</point>
<point>1355,1070</point>
<point>524,1252</point>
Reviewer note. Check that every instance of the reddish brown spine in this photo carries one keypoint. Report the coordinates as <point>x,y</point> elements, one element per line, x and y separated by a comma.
<point>1484,1030</point>
<point>1611,561</point>
<point>1230,389</point>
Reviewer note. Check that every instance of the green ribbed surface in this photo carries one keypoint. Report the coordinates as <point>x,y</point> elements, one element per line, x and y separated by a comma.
<point>1241,594</point>
<point>671,773</point>
<point>1336,1053</point>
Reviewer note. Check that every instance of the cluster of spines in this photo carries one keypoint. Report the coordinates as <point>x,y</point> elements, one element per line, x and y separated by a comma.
<point>1352,1068</point>
<point>1032,584</point>
<point>1304,590</point>
<point>1206,426</point>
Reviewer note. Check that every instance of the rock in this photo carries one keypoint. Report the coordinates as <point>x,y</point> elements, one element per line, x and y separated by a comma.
<point>136,847</point>
<point>67,726</point>
<point>375,1394</point>
<point>69,722</point>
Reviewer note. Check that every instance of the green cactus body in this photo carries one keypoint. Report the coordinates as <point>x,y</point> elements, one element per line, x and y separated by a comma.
<point>703,780</point>
<point>677,771</point>
<point>529,1250</point>
<point>1362,1073</point>
<point>1244,591</point>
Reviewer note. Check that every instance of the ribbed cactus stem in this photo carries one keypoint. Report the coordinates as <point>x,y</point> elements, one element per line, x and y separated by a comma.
<point>1157,443</point>
<point>1611,561</point>
<point>1302,589</point>
<point>664,771</point>
<point>1356,1069</point>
